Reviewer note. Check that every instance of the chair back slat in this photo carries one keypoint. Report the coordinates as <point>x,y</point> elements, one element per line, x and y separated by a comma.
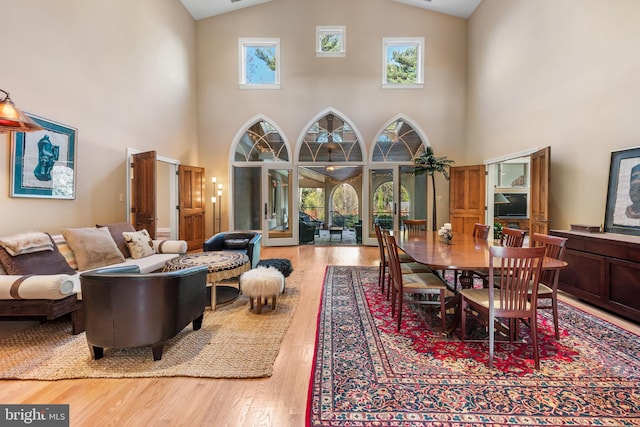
<point>394,262</point>
<point>381,245</point>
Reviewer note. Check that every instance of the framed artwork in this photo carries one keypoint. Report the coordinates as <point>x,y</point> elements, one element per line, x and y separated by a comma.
<point>331,41</point>
<point>402,64</point>
<point>622,214</point>
<point>259,63</point>
<point>43,163</point>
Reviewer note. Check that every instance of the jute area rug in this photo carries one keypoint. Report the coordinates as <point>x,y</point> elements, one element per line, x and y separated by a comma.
<point>366,374</point>
<point>232,343</point>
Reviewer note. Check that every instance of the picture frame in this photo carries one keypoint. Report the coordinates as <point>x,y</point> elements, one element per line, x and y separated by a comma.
<point>622,214</point>
<point>43,163</point>
<point>259,63</point>
<point>331,41</point>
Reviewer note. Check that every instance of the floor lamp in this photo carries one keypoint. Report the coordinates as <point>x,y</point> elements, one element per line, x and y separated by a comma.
<point>220,207</point>
<point>213,202</point>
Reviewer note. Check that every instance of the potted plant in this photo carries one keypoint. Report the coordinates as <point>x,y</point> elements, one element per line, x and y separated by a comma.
<point>497,231</point>
<point>427,162</point>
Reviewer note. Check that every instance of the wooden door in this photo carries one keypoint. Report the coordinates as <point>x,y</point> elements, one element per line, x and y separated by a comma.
<point>143,187</point>
<point>539,203</point>
<point>466,197</point>
<point>192,206</point>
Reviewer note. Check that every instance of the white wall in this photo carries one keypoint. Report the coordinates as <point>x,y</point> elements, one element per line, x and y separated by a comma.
<point>560,73</point>
<point>121,72</point>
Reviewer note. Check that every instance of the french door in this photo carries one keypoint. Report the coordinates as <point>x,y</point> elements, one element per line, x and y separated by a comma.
<point>396,193</point>
<point>277,203</point>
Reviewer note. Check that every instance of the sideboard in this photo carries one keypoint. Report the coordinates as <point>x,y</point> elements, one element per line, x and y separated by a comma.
<point>604,270</point>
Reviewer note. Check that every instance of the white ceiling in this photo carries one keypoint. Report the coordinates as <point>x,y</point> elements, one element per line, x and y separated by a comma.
<point>201,9</point>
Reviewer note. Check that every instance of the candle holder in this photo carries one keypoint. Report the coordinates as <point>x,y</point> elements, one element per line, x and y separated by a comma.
<point>446,237</point>
<point>445,233</point>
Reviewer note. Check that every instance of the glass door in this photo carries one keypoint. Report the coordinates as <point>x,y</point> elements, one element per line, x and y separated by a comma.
<point>413,195</point>
<point>277,202</point>
<point>383,199</point>
<point>396,194</point>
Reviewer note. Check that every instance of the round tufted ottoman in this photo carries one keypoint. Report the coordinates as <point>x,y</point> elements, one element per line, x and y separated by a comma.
<point>262,282</point>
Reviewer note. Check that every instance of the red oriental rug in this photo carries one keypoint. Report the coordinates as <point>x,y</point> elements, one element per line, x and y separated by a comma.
<point>365,374</point>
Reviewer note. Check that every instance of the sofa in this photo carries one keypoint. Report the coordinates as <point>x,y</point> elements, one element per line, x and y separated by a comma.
<point>246,242</point>
<point>40,272</point>
<point>124,308</point>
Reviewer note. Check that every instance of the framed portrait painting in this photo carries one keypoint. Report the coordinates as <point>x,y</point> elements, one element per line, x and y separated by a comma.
<point>622,214</point>
<point>43,163</point>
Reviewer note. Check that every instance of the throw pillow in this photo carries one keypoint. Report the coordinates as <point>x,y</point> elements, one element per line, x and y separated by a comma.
<point>116,229</point>
<point>92,247</point>
<point>139,243</point>
<point>236,243</point>
<point>43,262</point>
<point>65,250</point>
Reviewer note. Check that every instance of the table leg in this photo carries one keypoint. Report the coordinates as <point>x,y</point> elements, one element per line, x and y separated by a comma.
<point>212,285</point>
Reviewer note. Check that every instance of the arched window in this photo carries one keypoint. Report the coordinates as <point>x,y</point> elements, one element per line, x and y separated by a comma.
<point>261,142</point>
<point>398,142</point>
<point>330,139</point>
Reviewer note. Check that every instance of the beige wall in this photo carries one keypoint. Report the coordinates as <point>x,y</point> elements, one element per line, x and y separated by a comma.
<point>563,74</point>
<point>309,85</point>
<point>121,72</point>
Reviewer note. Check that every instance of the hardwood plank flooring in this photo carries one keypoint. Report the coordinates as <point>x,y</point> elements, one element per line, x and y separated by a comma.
<point>277,401</point>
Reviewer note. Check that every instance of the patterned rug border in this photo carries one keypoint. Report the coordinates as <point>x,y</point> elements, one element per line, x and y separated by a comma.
<point>463,391</point>
<point>232,343</point>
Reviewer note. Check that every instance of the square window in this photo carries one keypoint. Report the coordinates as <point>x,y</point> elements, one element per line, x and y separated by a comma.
<point>402,65</point>
<point>259,63</point>
<point>331,41</point>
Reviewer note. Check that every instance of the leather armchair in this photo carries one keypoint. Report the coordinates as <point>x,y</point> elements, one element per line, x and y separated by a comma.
<point>247,242</point>
<point>124,308</point>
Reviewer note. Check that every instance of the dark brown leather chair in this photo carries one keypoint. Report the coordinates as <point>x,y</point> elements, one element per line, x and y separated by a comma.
<point>246,242</point>
<point>124,308</point>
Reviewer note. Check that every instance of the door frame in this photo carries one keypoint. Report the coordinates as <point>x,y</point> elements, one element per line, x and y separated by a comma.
<point>491,179</point>
<point>173,189</point>
<point>264,194</point>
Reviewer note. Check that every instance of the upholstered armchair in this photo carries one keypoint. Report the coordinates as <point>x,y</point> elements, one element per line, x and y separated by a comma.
<point>123,308</point>
<point>307,232</point>
<point>247,242</point>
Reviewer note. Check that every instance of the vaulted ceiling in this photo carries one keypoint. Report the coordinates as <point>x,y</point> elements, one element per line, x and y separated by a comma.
<point>201,9</point>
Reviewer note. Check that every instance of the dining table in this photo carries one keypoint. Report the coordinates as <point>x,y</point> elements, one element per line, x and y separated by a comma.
<point>463,252</point>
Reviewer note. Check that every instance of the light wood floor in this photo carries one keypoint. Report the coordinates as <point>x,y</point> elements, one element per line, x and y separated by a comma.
<point>278,401</point>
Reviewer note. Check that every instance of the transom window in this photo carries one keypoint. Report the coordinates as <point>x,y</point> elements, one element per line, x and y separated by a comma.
<point>398,142</point>
<point>261,142</point>
<point>330,139</point>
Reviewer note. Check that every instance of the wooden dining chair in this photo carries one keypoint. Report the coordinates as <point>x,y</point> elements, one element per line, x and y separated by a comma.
<point>422,286</point>
<point>480,231</point>
<point>512,238</point>
<point>515,271</point>
<point>415,224</point>
<point>408,264</point>
<point>548,283</point>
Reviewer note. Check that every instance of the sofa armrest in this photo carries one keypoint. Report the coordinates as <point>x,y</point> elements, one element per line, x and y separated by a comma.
<point>45,286</point>
<point>170,246</point>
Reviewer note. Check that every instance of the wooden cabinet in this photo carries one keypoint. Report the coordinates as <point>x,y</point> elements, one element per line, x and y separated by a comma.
<point>604,269</point>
